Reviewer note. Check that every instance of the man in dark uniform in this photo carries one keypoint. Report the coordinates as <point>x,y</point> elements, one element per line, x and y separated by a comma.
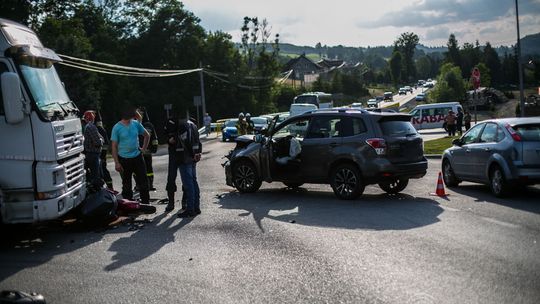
<point>104,150</point>
<point>144,119</point>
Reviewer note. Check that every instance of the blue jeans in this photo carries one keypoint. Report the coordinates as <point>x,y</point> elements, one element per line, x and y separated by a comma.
<point>188,174</point>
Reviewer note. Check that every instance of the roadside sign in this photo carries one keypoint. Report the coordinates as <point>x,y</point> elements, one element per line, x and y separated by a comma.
<point>167,106</point>
<point>476,78</point>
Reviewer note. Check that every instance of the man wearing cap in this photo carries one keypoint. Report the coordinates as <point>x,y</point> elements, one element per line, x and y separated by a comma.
<point>128,159</point>
<point>92,147</point>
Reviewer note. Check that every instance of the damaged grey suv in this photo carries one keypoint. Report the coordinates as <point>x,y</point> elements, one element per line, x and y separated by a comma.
<point>346,148</point>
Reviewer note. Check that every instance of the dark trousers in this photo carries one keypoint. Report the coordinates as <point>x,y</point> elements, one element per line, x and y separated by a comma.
<point>451,130</point>
<point>149,169</point>
<point>467,126</point>
<point>135,166</point>
<point>459,128</point>
<point>171,176</point>
<point>92,164</point>
<point>104,171</point>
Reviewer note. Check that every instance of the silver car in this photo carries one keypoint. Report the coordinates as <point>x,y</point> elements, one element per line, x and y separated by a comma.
<point>502,153</point>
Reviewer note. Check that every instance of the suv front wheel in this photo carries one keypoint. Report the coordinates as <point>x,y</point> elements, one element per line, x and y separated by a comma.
<point>346,182</point>
<point>245,177</point>
<point>394,186</point>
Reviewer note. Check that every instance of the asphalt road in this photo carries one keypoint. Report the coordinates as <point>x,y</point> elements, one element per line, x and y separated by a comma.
<point>286,246</point>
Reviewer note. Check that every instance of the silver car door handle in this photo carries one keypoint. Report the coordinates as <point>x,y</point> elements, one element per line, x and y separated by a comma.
<point>468,150</point>
<point>487,149</point>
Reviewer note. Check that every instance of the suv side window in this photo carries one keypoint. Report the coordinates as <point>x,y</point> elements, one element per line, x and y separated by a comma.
<point>297,128</point>
<point>352,126</point>
<point>471,136</point>
<point>325,127</point>
<point>489,134</point>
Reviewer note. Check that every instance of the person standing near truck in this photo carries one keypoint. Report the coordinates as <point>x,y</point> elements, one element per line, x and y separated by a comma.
<point>467,120</point>
<point>144,119</point>
<point>92,148</point>
<point>189,149</point>
<point>459,121</point>
<point>104,150</point>
<point>128,159</point>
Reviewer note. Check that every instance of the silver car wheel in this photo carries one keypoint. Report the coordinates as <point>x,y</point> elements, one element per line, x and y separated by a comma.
<point>245,177</point>
<point>496,181</point>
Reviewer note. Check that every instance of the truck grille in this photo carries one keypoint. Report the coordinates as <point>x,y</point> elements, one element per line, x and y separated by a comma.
<point>69,144</point>
<point>75,174</point>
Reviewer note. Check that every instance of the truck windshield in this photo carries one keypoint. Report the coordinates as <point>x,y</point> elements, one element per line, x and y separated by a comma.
<point>46,88</point>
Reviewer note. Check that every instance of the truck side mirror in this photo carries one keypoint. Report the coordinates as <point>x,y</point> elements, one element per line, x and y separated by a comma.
<point>11,94</point>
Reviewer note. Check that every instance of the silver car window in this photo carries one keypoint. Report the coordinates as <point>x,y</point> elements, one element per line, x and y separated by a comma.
<point>472,135</point>
<point>489,134</point>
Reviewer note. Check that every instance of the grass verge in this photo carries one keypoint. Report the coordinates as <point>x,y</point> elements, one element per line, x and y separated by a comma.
<point>437,146</point>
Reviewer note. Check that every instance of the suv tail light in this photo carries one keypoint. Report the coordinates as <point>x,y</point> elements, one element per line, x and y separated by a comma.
<point>513,133</point>
<point>378,144</point>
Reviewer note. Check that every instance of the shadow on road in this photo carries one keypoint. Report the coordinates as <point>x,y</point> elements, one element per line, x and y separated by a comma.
<point>144,243</point>
<point>26,246</point>
<point>526,199</point>
<point>322,209</point>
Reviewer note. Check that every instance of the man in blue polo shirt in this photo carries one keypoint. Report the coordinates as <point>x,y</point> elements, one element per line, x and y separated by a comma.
<point>128,159</point>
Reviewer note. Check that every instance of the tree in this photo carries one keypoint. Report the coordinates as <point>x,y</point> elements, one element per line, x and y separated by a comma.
<point>406,44</point>
<point>424,67</point>
<point>452,56</point>
<point>470,56</point>
<point>395,67</point>
<point>450,85</point>
<point>493,63</point>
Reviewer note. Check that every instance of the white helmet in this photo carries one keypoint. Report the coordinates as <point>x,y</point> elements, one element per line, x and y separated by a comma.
<point>248,115</point>
<point>241,115</point>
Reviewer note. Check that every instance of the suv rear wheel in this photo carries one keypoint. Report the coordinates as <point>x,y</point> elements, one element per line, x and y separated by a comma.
<point>395,186</point>
<point>245,177</point>
<point>346,182</point>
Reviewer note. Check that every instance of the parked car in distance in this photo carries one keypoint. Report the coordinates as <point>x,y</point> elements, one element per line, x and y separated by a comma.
<point>502,153</point>
<point>260,123</point>
<point>301,108</point>
<point>229,132</point>
<point>408,89</point>
<point>346,148</point>
<point>388,96</point>
<point>373,103</point>
<point>402,91</point>
<point>357,105</point>
<point>420,97</point>
<point>379,98</point>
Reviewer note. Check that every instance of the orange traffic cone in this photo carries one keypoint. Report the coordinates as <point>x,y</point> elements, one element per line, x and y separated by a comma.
<point>440,187</point>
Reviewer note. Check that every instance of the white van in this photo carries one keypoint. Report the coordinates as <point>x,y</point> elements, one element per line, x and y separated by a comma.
<point>429,116</point>
<point>301,108</point>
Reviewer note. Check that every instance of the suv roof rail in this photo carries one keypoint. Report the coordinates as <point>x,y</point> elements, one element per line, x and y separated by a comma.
<point>338,110</point>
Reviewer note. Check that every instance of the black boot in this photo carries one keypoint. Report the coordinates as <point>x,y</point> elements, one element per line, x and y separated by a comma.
<point>151,183</point>
<point>170,205</point>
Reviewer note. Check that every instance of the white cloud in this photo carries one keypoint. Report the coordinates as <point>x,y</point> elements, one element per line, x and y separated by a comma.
<point>367,22</point>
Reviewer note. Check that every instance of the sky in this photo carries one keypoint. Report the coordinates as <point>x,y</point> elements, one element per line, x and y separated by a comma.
<point>374,22</point>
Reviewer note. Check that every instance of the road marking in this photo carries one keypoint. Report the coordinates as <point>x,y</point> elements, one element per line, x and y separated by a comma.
<point>502,223</point>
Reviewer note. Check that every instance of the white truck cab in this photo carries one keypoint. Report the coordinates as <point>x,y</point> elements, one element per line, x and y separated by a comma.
<point>42,173</point>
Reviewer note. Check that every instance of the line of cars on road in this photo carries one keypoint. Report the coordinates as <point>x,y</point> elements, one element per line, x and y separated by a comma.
<point>350,148</point>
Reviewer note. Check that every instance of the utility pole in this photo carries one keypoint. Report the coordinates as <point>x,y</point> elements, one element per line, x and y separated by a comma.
<point>202,90</point>
<point>520,68</point>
